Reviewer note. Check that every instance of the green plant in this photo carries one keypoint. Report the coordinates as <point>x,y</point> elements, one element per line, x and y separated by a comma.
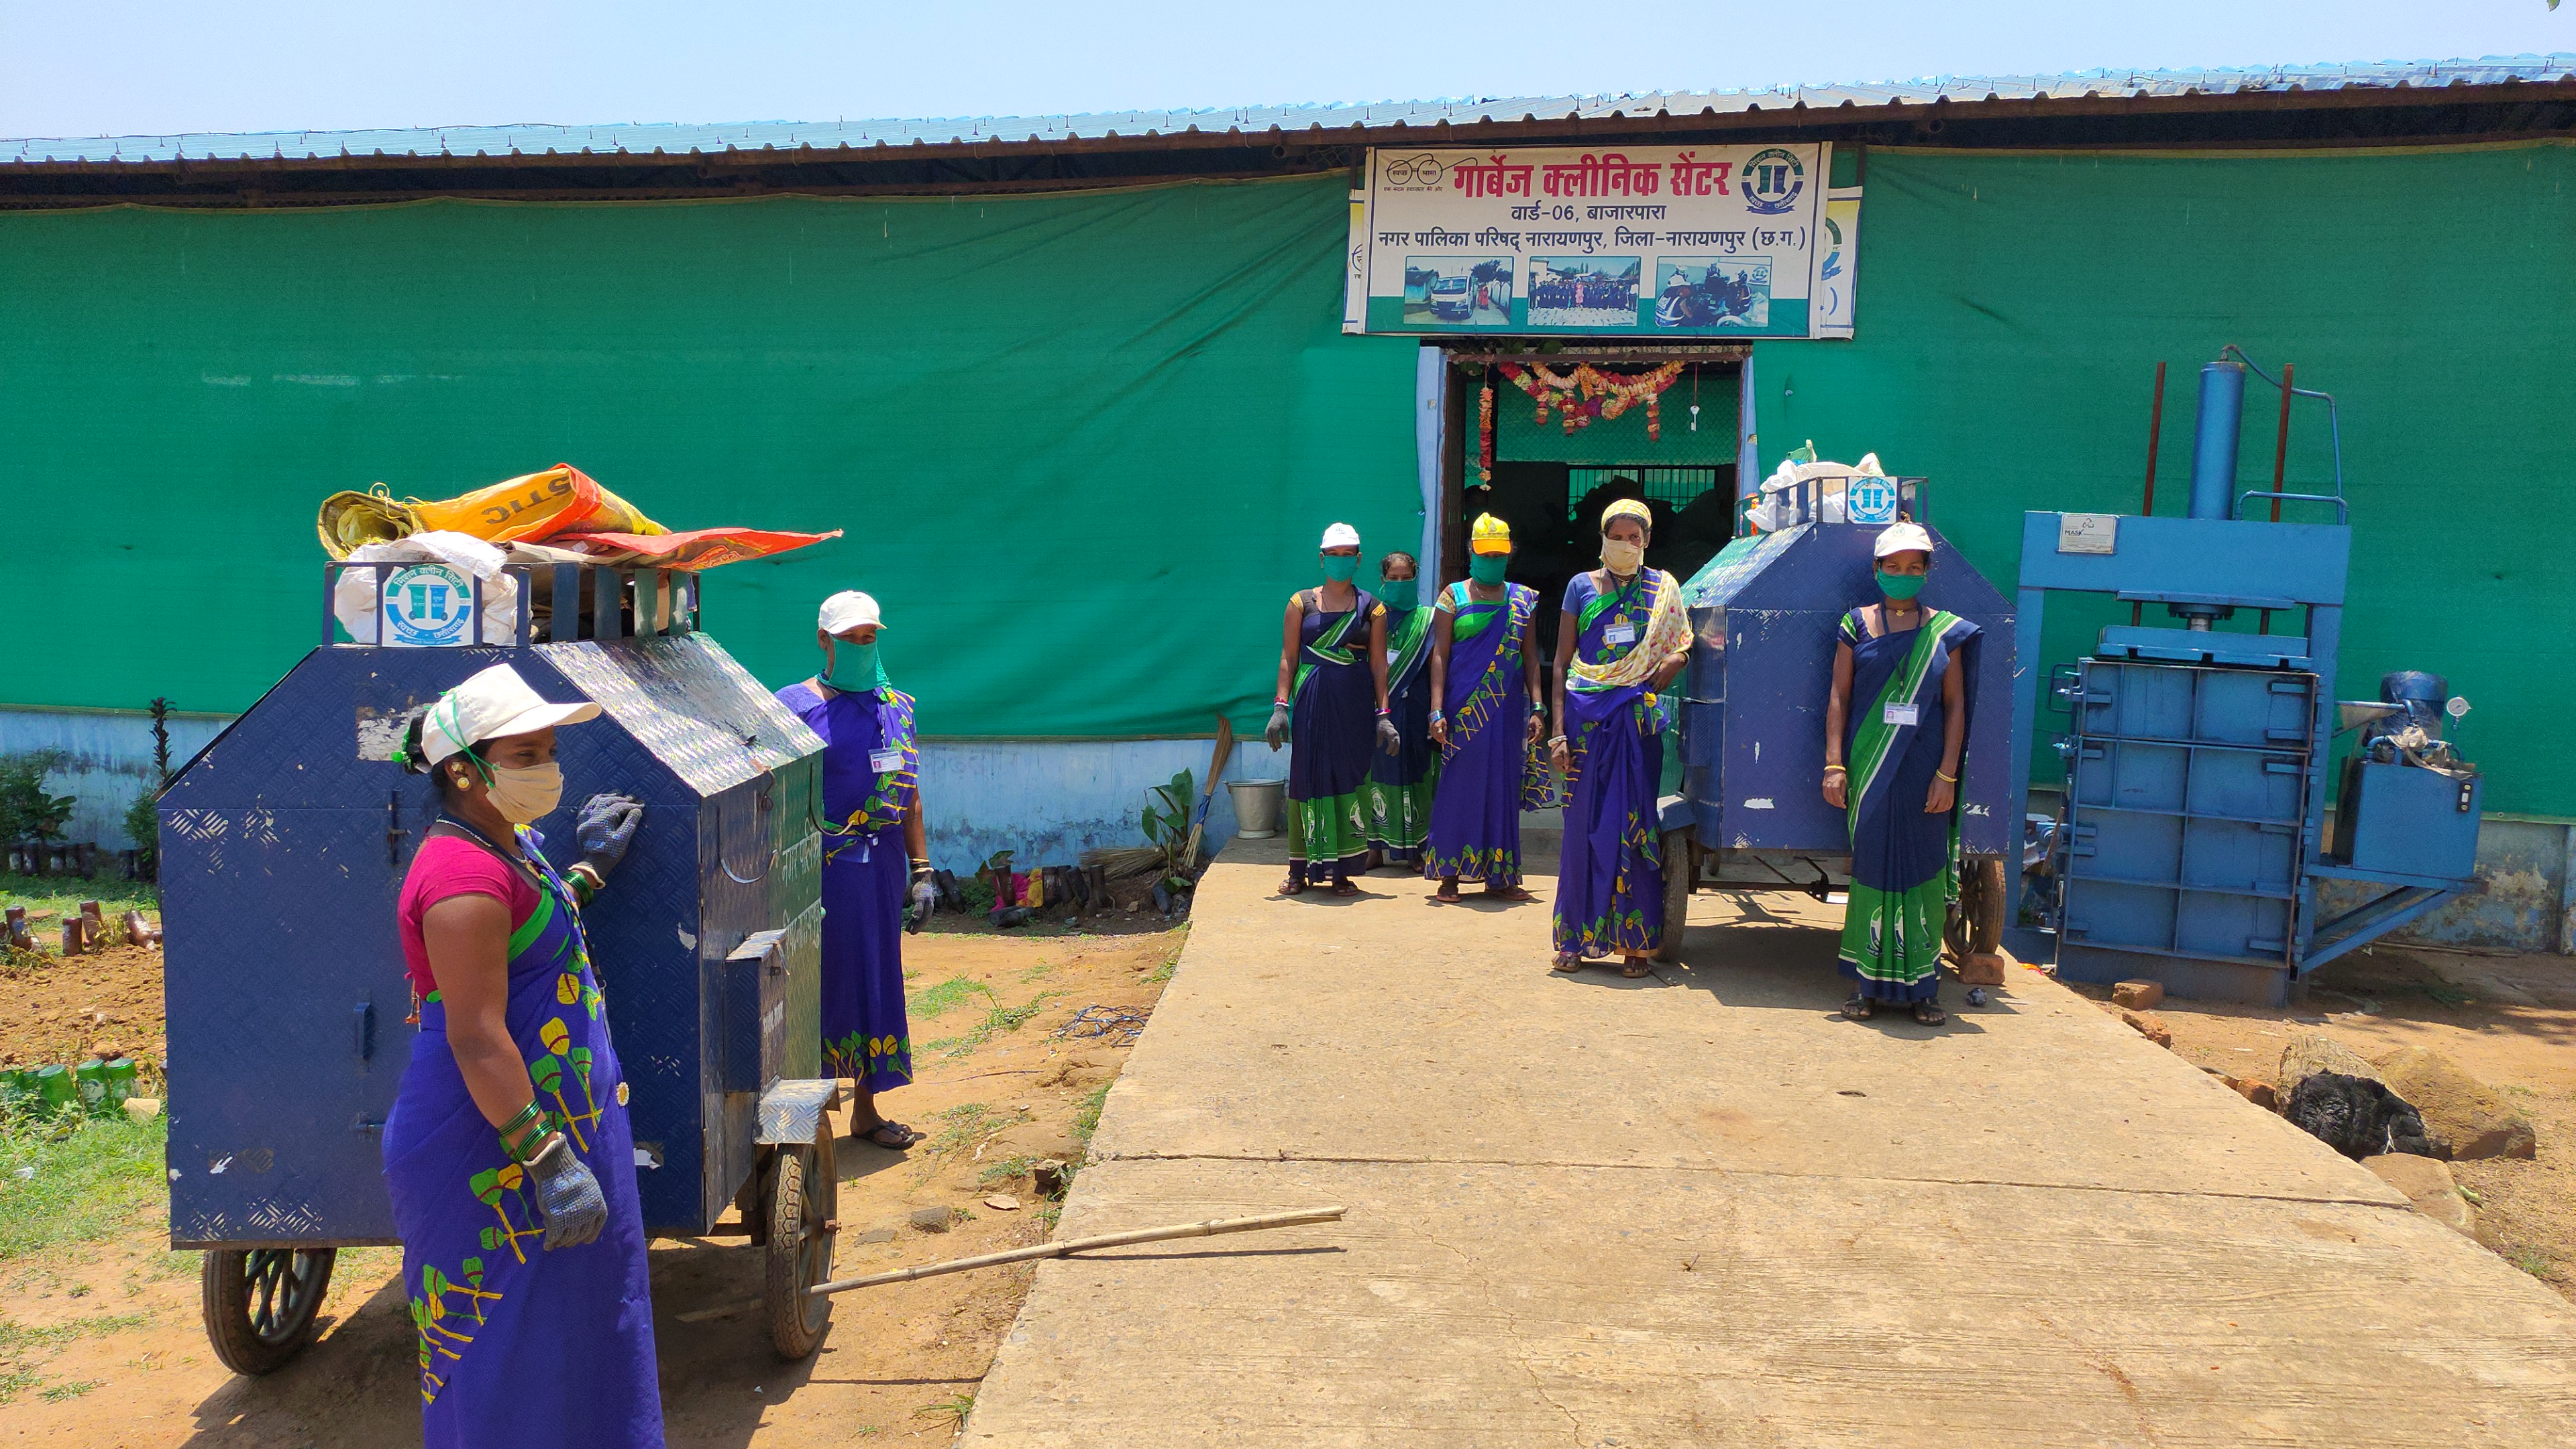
<point>73,1390</point>
<point>954,1408</point>
<point>26,811</point>
<point>931,1001</point>
<point>1086,1117</point>
<point>1001,1020</point>
<point>1168,829</point>
<point>143,827</point>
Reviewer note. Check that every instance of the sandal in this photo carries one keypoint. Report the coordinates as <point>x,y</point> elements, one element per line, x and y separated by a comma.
<point>1568,964</point>
<point>1346,888</point>
<point>1447,895</point>
<point>1636,966</point>
<point>1929,1013</point>
<point>903,1136</point>
<point>1859,1008</point>
<point>1292,886</point>
<point>1509,893</point>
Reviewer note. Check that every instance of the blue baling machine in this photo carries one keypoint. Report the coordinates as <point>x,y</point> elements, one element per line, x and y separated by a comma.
<point>284,845</point>
<point>1764,613</point>
<point>2191,841</point>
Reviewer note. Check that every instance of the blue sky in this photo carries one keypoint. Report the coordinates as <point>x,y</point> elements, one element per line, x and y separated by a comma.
<point>125,67</point>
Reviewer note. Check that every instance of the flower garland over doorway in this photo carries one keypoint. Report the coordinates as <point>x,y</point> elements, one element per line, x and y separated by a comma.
<point>1577,397</point>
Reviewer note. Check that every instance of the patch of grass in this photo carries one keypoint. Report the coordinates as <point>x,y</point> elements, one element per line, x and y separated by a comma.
<point>1086,1116</point>
<point>1007,1170</point>
<point>1036,972</point>
<point>954,1408</point>
<point>948,995</point>
<point>18,1382</point>
<point>2535,1261</point>
<point>18,1338</point>
<point>73,1390</point>
<point>61,893</point>
<point>1000,1021</point>
<point>83,1179</point>
<point>1171,958</point>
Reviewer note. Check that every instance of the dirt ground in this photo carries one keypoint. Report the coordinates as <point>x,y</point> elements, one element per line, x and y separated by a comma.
<point>101,1345</point>
<point>2507,1020</point>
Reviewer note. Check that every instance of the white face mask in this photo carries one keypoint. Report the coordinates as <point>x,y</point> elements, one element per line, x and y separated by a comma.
<point>526,796</point>
<point>1622,557</point>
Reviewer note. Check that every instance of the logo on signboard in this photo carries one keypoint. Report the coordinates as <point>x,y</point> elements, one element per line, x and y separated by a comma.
<point>1869,500</point>
<point>427,605</point>
<point>1772,181</point>
<point>1412,173</point>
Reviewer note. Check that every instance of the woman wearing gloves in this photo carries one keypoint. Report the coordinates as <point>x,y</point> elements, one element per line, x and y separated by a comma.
<point>876,855</point>
<point>1893,765</point>
<point>1488,719</point>
<point>1332,665</point>
<point>507,1153</point>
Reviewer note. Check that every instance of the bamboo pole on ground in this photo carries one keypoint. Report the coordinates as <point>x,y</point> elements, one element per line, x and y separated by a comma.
<point>1207,1229</point>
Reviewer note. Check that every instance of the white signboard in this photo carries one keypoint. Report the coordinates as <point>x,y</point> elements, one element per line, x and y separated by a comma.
<point>1639,241</point>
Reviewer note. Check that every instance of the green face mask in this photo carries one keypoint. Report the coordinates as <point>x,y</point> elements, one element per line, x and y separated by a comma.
<point>1400,594</point>
<point>1488,568</point>
<point>1899,586</point>
<point>1338,567</point>
<point>855,667</point>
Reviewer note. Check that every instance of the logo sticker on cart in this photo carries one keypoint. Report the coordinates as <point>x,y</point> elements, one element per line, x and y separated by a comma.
<point>1869,500</point>
<point>427,606</point>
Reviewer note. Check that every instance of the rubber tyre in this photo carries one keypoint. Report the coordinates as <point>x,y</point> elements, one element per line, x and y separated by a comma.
<point>803,1207</point>
<point>261,1303</point>
<point>1976,924</point>
<point>1681,870</point>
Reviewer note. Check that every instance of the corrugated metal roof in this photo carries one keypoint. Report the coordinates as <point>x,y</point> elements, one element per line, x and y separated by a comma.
<point>549,140</point>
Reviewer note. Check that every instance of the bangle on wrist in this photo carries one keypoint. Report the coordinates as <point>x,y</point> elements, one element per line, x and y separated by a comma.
<point>1836,770</point>
<point>1556,739</point>
<point>1937,775</point>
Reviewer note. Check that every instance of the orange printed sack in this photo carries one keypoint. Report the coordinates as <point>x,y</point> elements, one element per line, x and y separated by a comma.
<point>536,507</point>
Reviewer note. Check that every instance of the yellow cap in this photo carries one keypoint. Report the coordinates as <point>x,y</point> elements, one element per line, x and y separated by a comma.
<point>1490,535</point>
<point>1627,508</point>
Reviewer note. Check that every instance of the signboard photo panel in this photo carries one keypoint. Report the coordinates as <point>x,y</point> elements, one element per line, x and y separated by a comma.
<point>1645,241</point>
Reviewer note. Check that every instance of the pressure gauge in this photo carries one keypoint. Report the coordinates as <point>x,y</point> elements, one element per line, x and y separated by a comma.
<point>2458,707</point>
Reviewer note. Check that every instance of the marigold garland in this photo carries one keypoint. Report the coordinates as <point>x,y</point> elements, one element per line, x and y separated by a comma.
<point>1587,392</point>
<point>1485,432</point>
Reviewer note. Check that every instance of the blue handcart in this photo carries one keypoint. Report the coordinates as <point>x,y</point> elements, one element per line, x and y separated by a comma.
<point>1751,814</point>
<point>284,844</point>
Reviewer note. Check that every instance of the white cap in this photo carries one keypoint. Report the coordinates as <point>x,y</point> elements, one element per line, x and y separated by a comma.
<point>493,703</point>
<point>1899,537</point>
<point>847,610</point>
<point>1341,535</point>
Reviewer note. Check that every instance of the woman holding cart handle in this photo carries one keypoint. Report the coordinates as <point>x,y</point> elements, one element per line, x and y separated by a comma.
<point>508,1153</point>
<point>876,857</point>
<point>1902,745</point>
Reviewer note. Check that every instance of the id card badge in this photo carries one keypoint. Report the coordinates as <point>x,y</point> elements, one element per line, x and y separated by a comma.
<point>885,762</point>
<point>1619,634</point>
<point>1902,714</point>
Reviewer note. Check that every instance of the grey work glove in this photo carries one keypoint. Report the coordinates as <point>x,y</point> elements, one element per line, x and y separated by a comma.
<point>925,899</point>
<point>605,827</point>
<point>567,1195</point>
<point>1387,738</point>
<point>1277,734</point>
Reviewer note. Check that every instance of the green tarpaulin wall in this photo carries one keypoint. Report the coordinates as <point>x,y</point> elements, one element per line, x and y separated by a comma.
<point>1083,446</point>
<point>2013,308</point>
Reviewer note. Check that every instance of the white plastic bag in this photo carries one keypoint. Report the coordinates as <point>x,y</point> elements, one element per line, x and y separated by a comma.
<point>1782,504</point>
<point>431,602</point>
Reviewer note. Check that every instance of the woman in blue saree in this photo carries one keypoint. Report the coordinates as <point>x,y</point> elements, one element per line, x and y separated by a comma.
<point>876,855</point>
<point>1624,637</point>
<point>1332,665</point>
<point>1403,785</point>
<point>1895,725</point>
<point>508,1155</point>
<point>1484,675</point>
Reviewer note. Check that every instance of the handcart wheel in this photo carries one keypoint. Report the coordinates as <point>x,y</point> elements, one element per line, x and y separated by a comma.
<point>1681,872</point>
<point>1976,923</point>
<point>803,1207</point>
<point>261,1303</point>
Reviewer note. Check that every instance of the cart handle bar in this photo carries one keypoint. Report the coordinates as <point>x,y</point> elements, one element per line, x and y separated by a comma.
<point>1208,1229</point>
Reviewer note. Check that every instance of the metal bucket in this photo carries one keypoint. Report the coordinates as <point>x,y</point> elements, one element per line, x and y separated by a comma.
<point>1256,807</point>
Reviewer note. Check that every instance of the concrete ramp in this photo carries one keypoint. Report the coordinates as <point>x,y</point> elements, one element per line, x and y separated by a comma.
<point>1701,1209</point>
